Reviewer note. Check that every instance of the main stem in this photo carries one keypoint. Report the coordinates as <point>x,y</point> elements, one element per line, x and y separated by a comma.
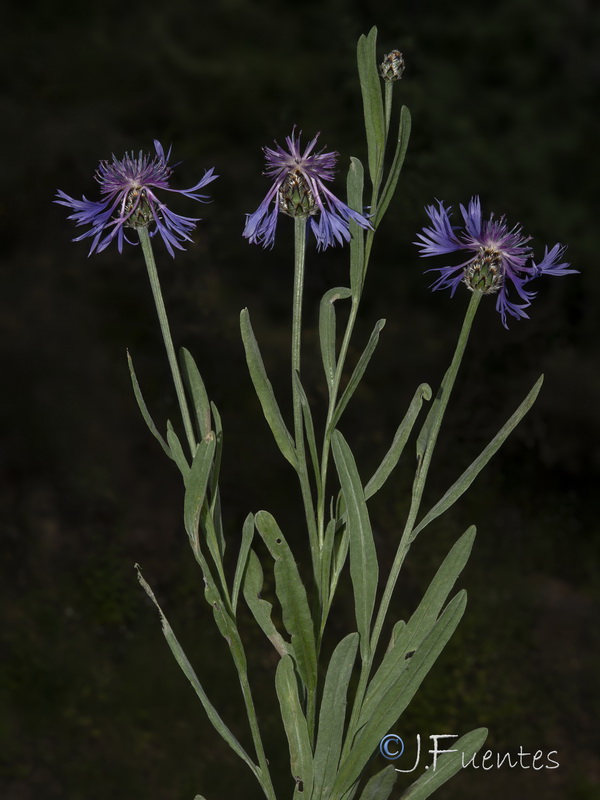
<point>166,334</point>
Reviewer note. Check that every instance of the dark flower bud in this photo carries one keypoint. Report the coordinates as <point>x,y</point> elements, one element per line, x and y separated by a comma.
<point>485,273</point>
<point>295,196</point>
<point>392,66</point>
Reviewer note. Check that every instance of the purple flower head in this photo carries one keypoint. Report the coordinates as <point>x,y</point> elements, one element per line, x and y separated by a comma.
<point>128,201</point>
<point>298,190</point>
<point>499,257</point>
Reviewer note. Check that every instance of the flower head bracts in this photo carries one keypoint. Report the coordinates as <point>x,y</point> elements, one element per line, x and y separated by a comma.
<point>499,255</point>
<point>298,190</point>
<point>129,201</point>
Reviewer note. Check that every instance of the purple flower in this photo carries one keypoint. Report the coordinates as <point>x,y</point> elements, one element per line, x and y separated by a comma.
<point>298,190</point>
<point>129,201</point>
<point>498,256</point>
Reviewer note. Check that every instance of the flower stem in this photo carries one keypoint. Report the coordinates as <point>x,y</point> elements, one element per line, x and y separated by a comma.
<point>432,424</point>
<point>299,260</point>
<point>166,334</point>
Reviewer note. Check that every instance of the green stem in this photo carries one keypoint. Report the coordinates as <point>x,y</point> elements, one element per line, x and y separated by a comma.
<point>434,420</point>
<point>166,334</point>
<point>299,260</point>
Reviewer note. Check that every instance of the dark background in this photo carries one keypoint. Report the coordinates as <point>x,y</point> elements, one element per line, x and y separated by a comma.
<point>504,97</point>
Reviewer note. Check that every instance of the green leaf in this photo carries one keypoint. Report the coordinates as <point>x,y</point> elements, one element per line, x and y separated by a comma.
<point>380,786</point>
<point>291,594</point>
<point>408,638</point>
<point>394,173</point>
<point>264,390</point>
<point>355,184</point>
<point>188,671</point>
<point>364,569</point>
<point>196,390</point>
<point>144,409</point>
<point>195,488</point>
<point>466,479</point>
<point>332,716</point>
<point>359,371</point>
<point>370,86</point>
<point>247,536</point>
<point>308,427</point>
<point>396,699</point>
<point>177,453</point>
<point>262,609</point>
<point>392,456</point>
<point>447,765</point>
<point>296,729</point>
<point>327,330</point>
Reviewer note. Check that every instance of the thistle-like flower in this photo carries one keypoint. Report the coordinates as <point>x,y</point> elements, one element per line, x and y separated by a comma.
<point>499,256</point>
<point>126,186</point>
<point>298,190</point>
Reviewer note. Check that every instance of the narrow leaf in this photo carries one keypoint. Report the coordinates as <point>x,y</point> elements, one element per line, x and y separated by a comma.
<point>247,536</point>
<point>355,184</point>
<point>195,489</point>
<point>309,427</point>
<point>196,390</point>
<point>296,729</point>
<point>364,569</point>
<point>332,716</point>
<point>380,786</point>
<point>392,456</point>
<point>264,390</point>
<point>327,330</point>
<point>359,371</point>
<point>466,479</point>
<point>397,698</point>
<point>291,594</point>
<point>144,409</point>
<point>188,671</point>
<point>447,765</point>
<point>262,609</point>
<point>408,637</point>
<point>394,173</point>
<point>177,453</point>
<point>370,86</point>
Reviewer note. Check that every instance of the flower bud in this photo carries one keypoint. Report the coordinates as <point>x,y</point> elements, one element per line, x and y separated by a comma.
<point>485,272</point>
<point>392,66</point>
<point>295,196</point>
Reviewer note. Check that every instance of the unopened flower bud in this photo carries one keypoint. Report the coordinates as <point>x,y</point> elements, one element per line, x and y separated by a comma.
<point>295,196</point>
<point>392,66</point>
<point>485,272</point>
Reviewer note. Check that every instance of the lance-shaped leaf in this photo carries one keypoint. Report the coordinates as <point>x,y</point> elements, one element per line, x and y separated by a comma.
<point>359,371</point>
<point>407,638</point>
<point>394,173</point>
<point>177,453</point>
<point>196,390</point>
<point>466,479</point>
<point>195,488</point>
<point>355,183</point>
<point>264,390</point>
<point>380,786</point>
<point>188,671</point>
<point>327,330</point>
<point>144,408</point>
<point>296,729</point>
<point>332,716</point>
<point>364,569</point>
<point>292,597</point>
<point>370,87</point>
<point>247,536</point>
<point>309,427</point>
<point>262,609</point>
<point>448,764</point>
<point>396,699</point>
<point>392,456</point>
